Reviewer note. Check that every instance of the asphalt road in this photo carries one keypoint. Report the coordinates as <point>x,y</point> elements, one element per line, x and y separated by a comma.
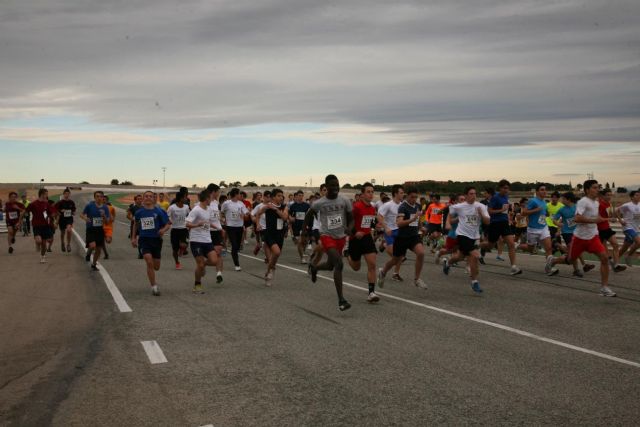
<point>244,354</point>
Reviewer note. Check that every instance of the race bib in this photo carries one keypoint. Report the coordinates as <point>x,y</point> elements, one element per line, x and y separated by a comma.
<point>45,215</point>
<point>472,220</point>
<point>542,220</point>
<point>148,223</point>
<point>235,215</point>
<point>67,213</point>
<point>205,226</point>
<point>279,224</point>
<point>13,215</point>
<point>366,221</point>
<point>414,223</point>
<point>215,215</point>
<point>97,221</point>
<point>334,221</point>
<point>435,211</point>
<point>571,222</point>
<point>636,217</point>
<point>300,216</point>
<point>180,219</point>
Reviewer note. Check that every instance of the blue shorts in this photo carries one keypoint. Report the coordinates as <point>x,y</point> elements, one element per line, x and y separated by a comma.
<point>630,235</point>
<point>390,239</point>
<point>150,245</point>
<point>201,249</point>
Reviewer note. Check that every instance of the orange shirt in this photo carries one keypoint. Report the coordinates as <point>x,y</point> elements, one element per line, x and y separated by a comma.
<point>112,213</point>
<point>434,213</point>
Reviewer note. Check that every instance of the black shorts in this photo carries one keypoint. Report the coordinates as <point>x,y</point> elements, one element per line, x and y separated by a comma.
<point>567,237</point>
<point>296,226</point>
<point>553,231</point>
<point>150,245</point>
<point>216,237</point>
<point>495,230</point>
<point>605,235</point>
<point>519,231</point>
<point>359,247</point>
<point>466,245</point>
<point>434,228</point>
<point>95,235</point>
<point>201,249</point>
<point>178,235</point>
<point>44,232</point>
<point>248,223</point>
<point>404,243</point>
<point>316,235</point>
<point>273,239</point>
<point>62,224</point>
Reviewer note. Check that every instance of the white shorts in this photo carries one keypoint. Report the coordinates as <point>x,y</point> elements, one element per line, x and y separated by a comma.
<point>537,235</point>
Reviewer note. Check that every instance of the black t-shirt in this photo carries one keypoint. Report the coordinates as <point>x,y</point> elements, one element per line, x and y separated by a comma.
<point>405,211</point>
<point>298,211</point>
<point>66,209</point>
<point>445,214</point>
<point>133,208</point>
<point>275,224</point>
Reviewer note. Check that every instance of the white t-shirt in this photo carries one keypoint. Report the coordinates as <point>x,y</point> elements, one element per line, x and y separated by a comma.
<point>389,211</point>
<point>263,218</point>
<point>468,219</point>
<point>178,216</point>
<point>589,209</point>
<point>631,215</point>
<point>234,213</point>
<point>199,234</point>
<point>378,205</point>
<point>214,214</point>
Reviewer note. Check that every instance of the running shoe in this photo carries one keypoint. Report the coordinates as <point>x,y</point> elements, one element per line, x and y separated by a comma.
<point>578,273</point>
<point>396,278</point>
<point>304,259</point>
<point>10,249</point>
<point>381,277</point>
<point>94,267</point>
<point>219,278</point>
<point>43,259</point>
<point>268,278</point>
<point>475,285</point>
<point>48,249</point>
<point>481,260</point>
<point>606,291</point>
<point>344,305</point>
<point>178,266</point>
<point>237,268</point>
<point>553,272</point>
<point>63,248</point>
<point>155,291</point>
<point>68,248</point>
<point>420,284</point>
<point>618,268</point>
<point>445,266</point>
<point>515,270</point>
<point>198,289</point>
<point>548,264</point>
<point>372,298</point>
<point>588,267</point>
<point>499,258</point>
<point>313,272</point>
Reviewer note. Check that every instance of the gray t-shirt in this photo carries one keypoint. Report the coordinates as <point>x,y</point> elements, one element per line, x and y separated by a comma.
<point>333,216</point>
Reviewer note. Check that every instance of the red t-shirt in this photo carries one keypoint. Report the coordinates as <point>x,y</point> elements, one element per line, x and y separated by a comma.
<point>603,210</point>
<point>363,215</point>
<point>12,211</point>
<point>41,213</point>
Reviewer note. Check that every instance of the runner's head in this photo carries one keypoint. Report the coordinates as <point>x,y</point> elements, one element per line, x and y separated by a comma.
<point>503,187</point>
<point>541,190</point>
<point>257,197</point>
<point>148,198</point>
<point>223,199</point>
<point>397,192</point>
<point>277,197</point>
<point>412,195</point>
<point>204,197</point>
<point>366,192</point>
<point>106,199</point>
<point>161,197</point>
<point>470,194</point>
<point>234,194</point>
<point>436,197</point>
<point>138,199</point>
<point>323,190</point>
<point>243,195</point>
<point>214,191</point>
<point>357,197</point>
<point>635,196</point>
<point>489,192</point>
<point>568,198</point>
<point>333,186</point>
<point>13,196</point>
<point>555,196</point>
<point>298,196</point>
<point>290,197</point>
<point>43,194</point>
<point>98,196</point>
<point>66,193</point>
<point>266,197</point>
<point>591,188</point>
<point>606,195</point>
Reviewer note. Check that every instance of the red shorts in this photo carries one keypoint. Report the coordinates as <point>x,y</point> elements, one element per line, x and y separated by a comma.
<point>450,244</point>
<point>579,246</point>
<point>329,242</point>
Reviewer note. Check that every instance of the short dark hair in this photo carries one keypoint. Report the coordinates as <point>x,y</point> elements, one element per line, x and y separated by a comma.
<point>523,200</point>
<point>275,192</point>
<point>148,191</point>
<point>234,192</point>
<point>12,193</point>
<point>412,189</point>
<point>570,196</point>
<point>633,193</point>
<point>469,188</point>
<point>203,195</point>
<point>490,190</point>
<point>436,196</point>
<point>97,192</point>
<point>66,190</point>
<point>365,185</point>
<point>243,194</point>
<point>588,184</point>
<point>184,190</point>
<point>323,186</point>
<point>396,188</point>
<point>212,188</point>
<point>540,185</point>
<point>298,192</point>
<point>504,183</point>
<point>330,177</point>
<point>267,193</point>
<point>42,191</point>
<point>555,194</point>
<point>605,191</point>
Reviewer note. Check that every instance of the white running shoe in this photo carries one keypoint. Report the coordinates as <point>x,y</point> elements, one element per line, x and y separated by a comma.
<point>373,298</point>
<point>420,283</point>
<point>43,259</point>
<point>268,279</point>
<point>515,270</point>
<point>155,291</point>
<point>606,291</point>
<point>237,268</point>
<point>549,264</point>
<point>380,278</point>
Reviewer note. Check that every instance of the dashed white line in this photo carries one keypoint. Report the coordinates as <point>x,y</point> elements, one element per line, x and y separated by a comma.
<point>111,286</point>
<point>476,320</point>
<point>154,352</point>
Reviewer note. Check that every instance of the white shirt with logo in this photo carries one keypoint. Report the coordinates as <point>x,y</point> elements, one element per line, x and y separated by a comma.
<point>589,209</point>
<point>178,216</point>
<point>199,234</point>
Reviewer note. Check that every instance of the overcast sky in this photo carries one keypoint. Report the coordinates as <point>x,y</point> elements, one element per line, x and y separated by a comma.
<point>291,90</point>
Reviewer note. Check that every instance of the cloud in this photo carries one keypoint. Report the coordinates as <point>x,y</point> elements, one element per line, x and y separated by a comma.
<point>57,136</point>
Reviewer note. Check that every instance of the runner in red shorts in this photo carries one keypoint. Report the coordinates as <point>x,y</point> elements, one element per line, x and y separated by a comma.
<point>451,243</point>
<point>335,215</point>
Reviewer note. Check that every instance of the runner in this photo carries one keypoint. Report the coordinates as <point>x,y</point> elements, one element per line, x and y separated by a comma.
<point>261,225</point>
<point>361,242</point>
<point>521,221</point>
<point>334,214</point>
<point>469,215</point>
<point>199,222</point>
<point>433,217</point>
<point>537,228</point>
<point>14,215</point>
<point>629,216</point>
<point>275,213</point>
<point>407,238</point>
<point>215,229</point>
<point>108,226</point>
<point>451,242</point>
<point>606,233</point>
<point>66,209</point>
<point>298,210</point>
<point>42,213</point>
<point>386,219</point>
<point>552,208</point>
<point>151,223</point>
<point>499,226</point>
<point>177,214</point>
<point>95,214</point>
<point>26,220</point>
<point>235,213</point>
<point>565,220</point>
<point>315,229</point>
<point>52,224</point>
<point>585,236</point>
<point>163,202</point>
<point>131,213</point>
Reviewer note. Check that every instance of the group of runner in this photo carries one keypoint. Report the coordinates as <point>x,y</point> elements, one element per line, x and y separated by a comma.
<point>328,224</point>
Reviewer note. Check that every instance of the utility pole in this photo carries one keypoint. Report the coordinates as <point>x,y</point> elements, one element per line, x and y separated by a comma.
<point>164,173</point>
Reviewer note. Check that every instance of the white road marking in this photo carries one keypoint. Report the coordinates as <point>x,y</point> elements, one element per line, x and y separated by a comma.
<point>115,292</point>
<point>154,352</point>
<point>475,319</point>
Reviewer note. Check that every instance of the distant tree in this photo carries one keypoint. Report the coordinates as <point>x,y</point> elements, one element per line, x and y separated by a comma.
<point>272,185</point>
<point>621,190</point>
<point>177,185</point>
<point>251,184</point>
<point>607,186</point>
<point>235,184</point>
<point>223,184</point>
<point>114,181</point>
<point>347,185</point>
<point>613,184</point>
<point>126,183</point>
<point>194,186</point>
<point>84,183</point>
<point>579,187</point>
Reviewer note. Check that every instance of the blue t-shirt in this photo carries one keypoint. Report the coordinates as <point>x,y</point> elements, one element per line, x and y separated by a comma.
<point>150,221</point>
<point>537,220</point>
<point>92,211</point>
<point>568,215</point>
<point>497,202</point>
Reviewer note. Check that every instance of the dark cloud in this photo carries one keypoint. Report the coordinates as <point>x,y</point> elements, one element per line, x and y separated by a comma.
<point>484,72</point>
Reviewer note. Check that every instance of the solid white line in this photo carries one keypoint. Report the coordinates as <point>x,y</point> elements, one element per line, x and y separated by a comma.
<point>115,292</point>
<point>154,352</point>
<point>476,320</point>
